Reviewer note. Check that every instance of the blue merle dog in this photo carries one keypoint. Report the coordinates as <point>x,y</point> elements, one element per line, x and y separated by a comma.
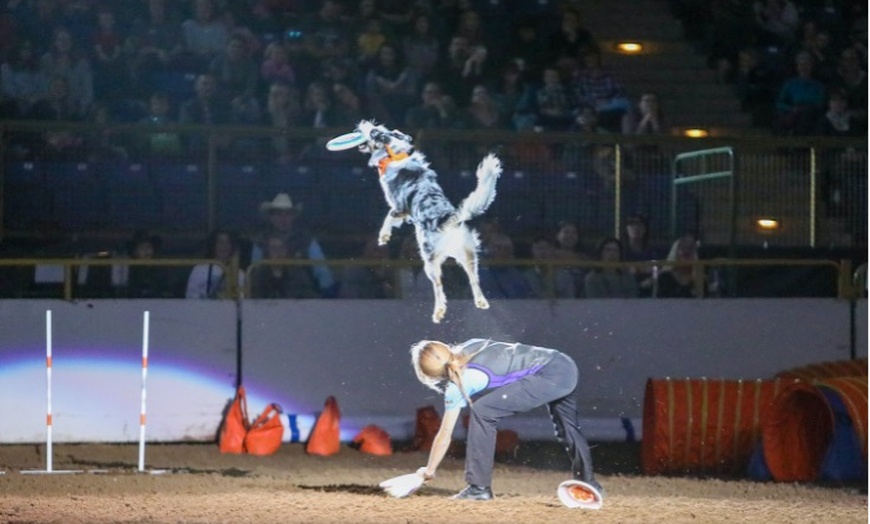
<point>413,194</point>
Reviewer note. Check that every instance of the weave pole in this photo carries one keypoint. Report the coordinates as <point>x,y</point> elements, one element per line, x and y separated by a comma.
<point>146,330</point>
<point>146,319</point>
<point>49,451</point>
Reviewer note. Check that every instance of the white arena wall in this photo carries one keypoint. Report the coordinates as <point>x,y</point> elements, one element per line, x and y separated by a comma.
<point>299,352</point>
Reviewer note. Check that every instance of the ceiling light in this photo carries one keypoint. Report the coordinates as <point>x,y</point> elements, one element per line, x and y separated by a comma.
<point>629,47</point>
<point>696,132</point>
<point>767,224</point>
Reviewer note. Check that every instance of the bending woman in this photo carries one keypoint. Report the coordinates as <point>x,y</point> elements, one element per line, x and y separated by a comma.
<point>515,378</point>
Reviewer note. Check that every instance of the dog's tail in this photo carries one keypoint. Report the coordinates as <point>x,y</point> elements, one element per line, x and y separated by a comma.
<point>483,195</point>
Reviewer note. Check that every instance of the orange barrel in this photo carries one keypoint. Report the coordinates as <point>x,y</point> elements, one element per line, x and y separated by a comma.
<point>799,426</point>
<point>701,425</point>
<point>823,370</point>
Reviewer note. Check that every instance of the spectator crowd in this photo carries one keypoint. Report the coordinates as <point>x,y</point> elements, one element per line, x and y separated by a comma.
<point>798,66</point>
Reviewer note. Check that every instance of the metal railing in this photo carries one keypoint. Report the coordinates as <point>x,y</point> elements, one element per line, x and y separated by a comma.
<point>845,283</point>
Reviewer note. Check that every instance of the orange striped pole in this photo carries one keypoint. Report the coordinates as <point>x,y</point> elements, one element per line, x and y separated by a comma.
<point>49,454</point>
<point>146,317</point>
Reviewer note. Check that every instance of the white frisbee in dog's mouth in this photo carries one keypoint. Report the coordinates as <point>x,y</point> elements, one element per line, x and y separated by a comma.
<point>346,141</point>
<point>577,494</point>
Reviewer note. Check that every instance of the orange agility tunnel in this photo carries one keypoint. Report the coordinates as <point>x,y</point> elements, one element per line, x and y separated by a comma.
<point>701,425</point>
<point>824,370</point>
<point>817,431</point>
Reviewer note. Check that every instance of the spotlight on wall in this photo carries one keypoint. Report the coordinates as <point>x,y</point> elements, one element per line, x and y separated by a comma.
<point>696,132</point>
<point>630,48</point>
<point>767,224</point>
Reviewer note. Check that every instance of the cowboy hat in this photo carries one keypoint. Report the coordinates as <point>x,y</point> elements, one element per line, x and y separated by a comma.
<point>281,202</point>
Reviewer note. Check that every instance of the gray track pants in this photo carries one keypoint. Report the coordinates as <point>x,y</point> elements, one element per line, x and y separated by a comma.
<point>553,385</point>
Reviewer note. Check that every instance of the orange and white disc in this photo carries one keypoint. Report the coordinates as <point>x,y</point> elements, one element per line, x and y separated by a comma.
<point>577,494</point>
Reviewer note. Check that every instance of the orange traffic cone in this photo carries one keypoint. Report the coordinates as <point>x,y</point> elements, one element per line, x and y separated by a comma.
<point>324,438</point>
<point>428,422</point>
<point>374,440</point>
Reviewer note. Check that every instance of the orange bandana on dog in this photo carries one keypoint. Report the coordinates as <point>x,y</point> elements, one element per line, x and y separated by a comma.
<point>382,165</point>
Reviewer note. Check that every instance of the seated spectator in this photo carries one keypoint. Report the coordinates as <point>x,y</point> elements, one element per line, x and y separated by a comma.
<point>348,105</point>
<point>64,60</point>
<point>542,275</point>
<point>647,119</point>
<point>155,44</point>
<point>421,47</point>
<point>163,144</point>
<point>553,106</point>
<point>569,247</point>
<point>283,112</point>
<point>207,107</point>
<point>851,75</point>
<point>600,88</point>
<point>580,153</point>
<point>370,39</point>
<point>610,281</point>
<point>436,110</point>
<point>390,86</point>
<point>276,66</point>
<point>111,79</point>
<point>500,280</point>
<point>839,120</point>
<point>682,281</point>
<point>514,97</point>
<point>777,21</point>
<point>482,112</point>
<point>318,109</point>
<point>205,35</point>
<point>460,69</point>
<point>282,216</point>
<point>369,281</point>
<point>237,77</point>
<point>142,281</point>
<point>570,37</point>
<point>209,280</point>
<point>58,106</point>
<point>277,280</point>
<point>324,35</point>
<point>636,248</point>
<point>21,79</point>
<point>801,100</point>
<point>756,86</point>
<point>526,46</point>
<point>102,143</point>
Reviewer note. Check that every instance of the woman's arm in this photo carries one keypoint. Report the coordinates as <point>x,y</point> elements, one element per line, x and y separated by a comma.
<point>441,442</point>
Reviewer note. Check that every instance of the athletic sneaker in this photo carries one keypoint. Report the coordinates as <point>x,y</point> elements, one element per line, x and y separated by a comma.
<point>472,492</point>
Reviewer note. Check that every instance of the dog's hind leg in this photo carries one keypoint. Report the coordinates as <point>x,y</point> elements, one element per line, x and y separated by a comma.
<point>432,268</point>
<point>392,220</point>
<point>469,264</point>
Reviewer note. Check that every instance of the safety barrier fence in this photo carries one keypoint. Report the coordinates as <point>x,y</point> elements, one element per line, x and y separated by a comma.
<point>99,179</point>
<point>709,277</point>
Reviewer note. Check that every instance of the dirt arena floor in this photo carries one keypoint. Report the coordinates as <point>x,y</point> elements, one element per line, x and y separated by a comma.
<point>202,486</point>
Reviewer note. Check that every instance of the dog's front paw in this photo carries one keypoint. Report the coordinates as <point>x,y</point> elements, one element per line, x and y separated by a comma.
<point>438,314</point>
<point>481,303</point>
<point>383,239</point>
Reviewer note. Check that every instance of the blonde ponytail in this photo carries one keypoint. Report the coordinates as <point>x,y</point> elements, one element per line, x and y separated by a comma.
<point>434,362</point>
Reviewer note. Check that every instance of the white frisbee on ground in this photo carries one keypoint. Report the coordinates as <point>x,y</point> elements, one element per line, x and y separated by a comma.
<point>346,141</point>
<point>577,494</point>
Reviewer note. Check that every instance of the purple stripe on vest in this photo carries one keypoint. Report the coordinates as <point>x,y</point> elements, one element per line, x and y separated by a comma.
<point>500,380</point>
